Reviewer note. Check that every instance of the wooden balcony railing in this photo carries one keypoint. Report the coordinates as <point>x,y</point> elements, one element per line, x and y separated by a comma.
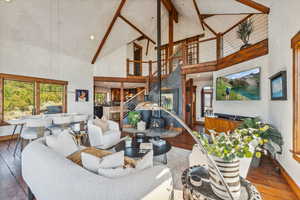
<point>207,54</point>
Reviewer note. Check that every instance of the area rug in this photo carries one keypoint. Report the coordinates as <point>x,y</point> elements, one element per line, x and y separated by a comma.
<point>178,161</point>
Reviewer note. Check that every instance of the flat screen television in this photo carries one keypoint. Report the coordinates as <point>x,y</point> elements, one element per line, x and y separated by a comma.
<point>241,86</point>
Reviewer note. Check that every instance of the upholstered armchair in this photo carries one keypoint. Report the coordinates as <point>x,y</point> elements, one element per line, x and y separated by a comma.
<point>104,140</point>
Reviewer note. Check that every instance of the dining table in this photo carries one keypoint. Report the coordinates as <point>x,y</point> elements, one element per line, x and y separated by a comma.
<point>21,122</point>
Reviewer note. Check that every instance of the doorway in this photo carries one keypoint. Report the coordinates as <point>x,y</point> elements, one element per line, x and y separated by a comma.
<point>206,101</point>
<point>137,56</point>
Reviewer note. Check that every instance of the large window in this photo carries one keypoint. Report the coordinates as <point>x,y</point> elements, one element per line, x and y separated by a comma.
<point>100,98</point>
<point>21,95</point>
<point>18,99</point>
<point>296,94</point>
<point>51,95</point>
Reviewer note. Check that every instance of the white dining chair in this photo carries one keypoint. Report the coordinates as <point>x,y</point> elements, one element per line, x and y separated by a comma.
<point>59,123</point>
<point>33,129</point>
<point>79,119</point>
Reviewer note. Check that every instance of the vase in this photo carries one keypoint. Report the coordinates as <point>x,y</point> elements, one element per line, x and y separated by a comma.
<point>231,173</point>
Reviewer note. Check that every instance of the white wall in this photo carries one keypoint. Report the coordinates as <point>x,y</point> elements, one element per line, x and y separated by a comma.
<point>283,25</point>
<point>113,64</point>
<point>32,44</point>
<point>246,108</point>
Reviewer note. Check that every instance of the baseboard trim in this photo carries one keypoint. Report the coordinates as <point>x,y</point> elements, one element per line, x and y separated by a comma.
<point>8,137</point>
<point>289,180</point>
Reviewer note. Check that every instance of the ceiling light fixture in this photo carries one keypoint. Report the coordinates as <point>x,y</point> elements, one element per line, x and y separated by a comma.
<point>92,37</point>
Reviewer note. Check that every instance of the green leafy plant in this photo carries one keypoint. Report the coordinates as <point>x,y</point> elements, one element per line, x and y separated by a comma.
<point>272,135</point>
<point>134,118</point>
<point>245,29</point>
<point>241,143</point>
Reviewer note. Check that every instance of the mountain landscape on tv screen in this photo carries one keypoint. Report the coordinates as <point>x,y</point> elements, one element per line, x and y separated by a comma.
<point>239,86</point>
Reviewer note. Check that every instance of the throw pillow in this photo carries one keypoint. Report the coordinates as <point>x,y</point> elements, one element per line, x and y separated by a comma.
<point>93,163</point>
<point>112,161</point>
<point>115,172</point>
<point>63,143</point>
<point>145,162</point>
<point>90,162</point>
<point>103,124</point>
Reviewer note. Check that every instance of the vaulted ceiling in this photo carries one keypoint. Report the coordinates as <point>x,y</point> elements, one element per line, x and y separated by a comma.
<point>66,25</point>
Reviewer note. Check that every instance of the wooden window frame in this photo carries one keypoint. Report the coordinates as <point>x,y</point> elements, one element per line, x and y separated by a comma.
<point>36,83</point>
<point>295,45</point>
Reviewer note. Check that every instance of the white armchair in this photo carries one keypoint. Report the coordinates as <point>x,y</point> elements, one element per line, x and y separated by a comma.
<point>104,140</point>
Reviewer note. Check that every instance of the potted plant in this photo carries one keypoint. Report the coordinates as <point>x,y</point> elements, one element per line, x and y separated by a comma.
<point>134,118</point>
<point>271,135</point>
<point>245,29</point>
<point>227,149</point>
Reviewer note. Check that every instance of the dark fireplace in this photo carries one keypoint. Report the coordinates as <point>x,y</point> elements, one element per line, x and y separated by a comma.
<point>157,123</point>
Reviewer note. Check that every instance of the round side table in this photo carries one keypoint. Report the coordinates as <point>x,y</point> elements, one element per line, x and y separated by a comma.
<point>204,192</point>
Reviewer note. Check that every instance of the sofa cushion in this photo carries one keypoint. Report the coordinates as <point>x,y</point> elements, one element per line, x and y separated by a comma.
<point>113,160</point>
<point>62,143</point>
<point>93,163</point>
<point>146,161</point>
<point>114,172</point>
<point>90,162</point>
<point>103,124</point>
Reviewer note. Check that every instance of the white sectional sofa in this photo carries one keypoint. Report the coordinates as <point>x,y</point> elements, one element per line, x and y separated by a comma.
<point>50,176</point>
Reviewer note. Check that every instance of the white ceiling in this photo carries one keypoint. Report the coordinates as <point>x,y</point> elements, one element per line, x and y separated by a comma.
<point>66,25</point>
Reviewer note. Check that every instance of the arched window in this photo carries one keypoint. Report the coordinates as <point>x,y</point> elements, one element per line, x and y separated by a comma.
<point>296,95</point>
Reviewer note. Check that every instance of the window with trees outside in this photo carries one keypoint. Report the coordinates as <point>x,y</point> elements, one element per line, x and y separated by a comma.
<point>22,95</point>
<point>18,99</point>
<point>100,98</point>
<point>51,95</point>
<point>296,96</point>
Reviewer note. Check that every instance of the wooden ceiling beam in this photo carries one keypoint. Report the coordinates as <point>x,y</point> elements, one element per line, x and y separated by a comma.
<point>246,13</point>
<point>171,8</point>
<point>238,23</point>
<point>136,28</point>
<point>117,13</point>
<point>204,16</point>
<point>210,29</point>
<point>199,15</point>
<point>255,5</point>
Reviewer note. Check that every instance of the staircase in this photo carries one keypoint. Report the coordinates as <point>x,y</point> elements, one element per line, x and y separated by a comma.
<point>131,103</point>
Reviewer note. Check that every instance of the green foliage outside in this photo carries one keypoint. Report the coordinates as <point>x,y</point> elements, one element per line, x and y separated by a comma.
<point>100,98</point>
<point>19,98</point>
<point>51,95</point>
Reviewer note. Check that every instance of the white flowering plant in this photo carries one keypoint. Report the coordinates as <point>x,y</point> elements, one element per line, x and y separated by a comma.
<point>241,143</point>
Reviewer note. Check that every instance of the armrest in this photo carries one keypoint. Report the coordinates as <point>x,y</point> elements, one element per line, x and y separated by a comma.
<point>113,125</point>
<point>148,184</point>
<point>95,134</point>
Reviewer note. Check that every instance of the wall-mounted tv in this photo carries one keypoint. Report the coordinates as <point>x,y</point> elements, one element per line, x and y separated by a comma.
<point>241,86</point>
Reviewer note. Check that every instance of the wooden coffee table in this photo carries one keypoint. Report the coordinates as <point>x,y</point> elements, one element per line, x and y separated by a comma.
<point>134,150</point>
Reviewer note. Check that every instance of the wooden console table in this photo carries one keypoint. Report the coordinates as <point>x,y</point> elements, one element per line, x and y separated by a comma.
<point>220,124</point>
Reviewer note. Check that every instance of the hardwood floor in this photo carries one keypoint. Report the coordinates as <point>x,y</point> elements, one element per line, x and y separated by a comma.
<point>267,180</point>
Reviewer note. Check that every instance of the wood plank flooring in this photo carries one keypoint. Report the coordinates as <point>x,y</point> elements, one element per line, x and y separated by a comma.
<point>267,180</point>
